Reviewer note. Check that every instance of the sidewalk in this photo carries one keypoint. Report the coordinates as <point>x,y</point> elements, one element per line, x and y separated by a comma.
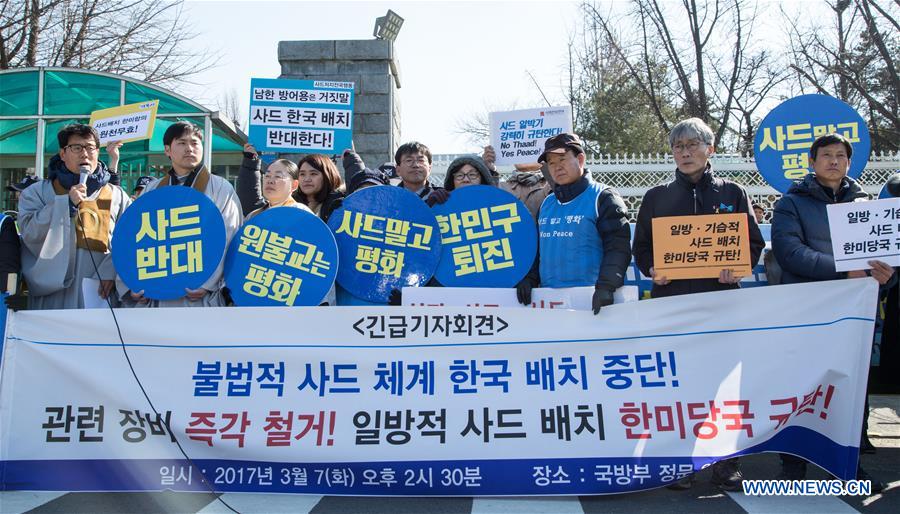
<point>884,420</point>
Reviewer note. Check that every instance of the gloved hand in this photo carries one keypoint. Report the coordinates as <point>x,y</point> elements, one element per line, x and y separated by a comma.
<point>437,196</point>
<point>602,297</point>
<point>523,290</point>
<point>396,297</point>
<point>16,302</point>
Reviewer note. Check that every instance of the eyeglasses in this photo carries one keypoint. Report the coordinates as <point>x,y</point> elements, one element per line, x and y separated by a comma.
<point>472,176</point>
<point>421,161</point>
<point>78,148</point>
<point>272,177</point>
<point>690,147</point>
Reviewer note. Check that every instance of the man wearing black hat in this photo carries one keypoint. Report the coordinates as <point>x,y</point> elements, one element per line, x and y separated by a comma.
<point>584,232</point>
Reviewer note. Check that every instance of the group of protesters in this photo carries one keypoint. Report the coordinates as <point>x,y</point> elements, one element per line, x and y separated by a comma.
<point>66,224</point>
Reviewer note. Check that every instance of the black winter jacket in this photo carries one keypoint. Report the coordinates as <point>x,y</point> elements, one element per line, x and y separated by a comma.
<point>801,238</point>
<point>681,197</point>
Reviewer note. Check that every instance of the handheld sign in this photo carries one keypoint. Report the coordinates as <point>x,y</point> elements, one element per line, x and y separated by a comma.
<point>781,146</point>
<point>863,231</point>
<point>281,257</point>
<point>170,239</point>
<point>387,239</point>
<point>488,238</point>
<point>125,123</point>
<point>701,246</point>
<point>518,136</point>
<point>302,116</point>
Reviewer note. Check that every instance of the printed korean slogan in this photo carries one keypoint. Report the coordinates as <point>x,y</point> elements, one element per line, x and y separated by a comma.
<point>863,231</point>
<point>303,116</point>
<point>518,136</point>
<point>701,246</point>
<point>387,239</point>
<point>281,257</point>
<point>575,298</point>
<point>448,401</point>
<point>125,123</point>
<point>169,240</point>
<point>488,238</point>
<point>781,147</point>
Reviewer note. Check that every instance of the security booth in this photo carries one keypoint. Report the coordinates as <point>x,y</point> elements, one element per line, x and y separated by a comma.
<point>35,103</point>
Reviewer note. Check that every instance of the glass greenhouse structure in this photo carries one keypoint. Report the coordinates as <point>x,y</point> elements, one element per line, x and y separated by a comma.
<point>36,102</point>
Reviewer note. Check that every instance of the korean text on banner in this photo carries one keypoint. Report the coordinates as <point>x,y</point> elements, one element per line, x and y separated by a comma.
<point>782,143</point>
<point>518,136</point>
<point>449,401</point>
<point>302,116</point>
<point>575,298</point>
<point>864,231</point>
<point>701,246</point>
<point>125,123</point>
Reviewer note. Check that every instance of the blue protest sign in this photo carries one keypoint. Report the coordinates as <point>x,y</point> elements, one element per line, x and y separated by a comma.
<point>781,146</point>
<point>387,239</point>
<point>170,239</point>
<point>488,238</point>
<point>301,116</point>
<point>281,257</point>
<point>891,188</point>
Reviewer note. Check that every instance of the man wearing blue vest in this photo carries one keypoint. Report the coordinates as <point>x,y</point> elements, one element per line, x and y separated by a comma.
<point>584,232</point>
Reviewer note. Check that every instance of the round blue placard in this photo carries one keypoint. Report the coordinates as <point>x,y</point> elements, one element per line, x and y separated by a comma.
<point>387,239</point>
<point>170,239</point>
<point>488,238</point>
<point>281,257</point>
<point>781,146</point>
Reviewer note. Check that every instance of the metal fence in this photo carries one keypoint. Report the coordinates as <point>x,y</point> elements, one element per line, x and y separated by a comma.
<point>632,175</point>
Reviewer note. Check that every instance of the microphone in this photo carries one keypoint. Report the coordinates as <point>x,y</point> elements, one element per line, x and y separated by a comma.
<point>85,172</point>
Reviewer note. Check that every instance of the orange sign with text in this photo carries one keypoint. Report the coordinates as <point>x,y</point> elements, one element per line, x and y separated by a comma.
<point>701,246</point>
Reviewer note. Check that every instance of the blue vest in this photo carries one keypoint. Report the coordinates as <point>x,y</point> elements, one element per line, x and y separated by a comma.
<point>570,247</point>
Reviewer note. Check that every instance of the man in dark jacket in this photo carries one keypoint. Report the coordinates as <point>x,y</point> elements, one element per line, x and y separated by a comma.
<point>584,231</point>
<point>696,190</point>
<point>801,241</point>
<point>413,162</point>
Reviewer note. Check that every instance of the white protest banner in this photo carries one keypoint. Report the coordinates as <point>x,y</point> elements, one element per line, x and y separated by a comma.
<point>575,298</point>
<point>447,401</point>
<point>305,116</point>
<point>125,123</point>
<point>518,136</point>
<point>865,231</point>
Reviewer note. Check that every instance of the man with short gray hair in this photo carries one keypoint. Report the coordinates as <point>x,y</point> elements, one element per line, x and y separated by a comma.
<point>695,191</point>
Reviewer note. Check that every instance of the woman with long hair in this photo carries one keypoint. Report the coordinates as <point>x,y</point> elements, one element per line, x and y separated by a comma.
<point>321,188</point>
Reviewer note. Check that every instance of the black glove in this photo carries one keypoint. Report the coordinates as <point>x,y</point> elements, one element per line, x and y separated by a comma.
<point>602,297</point>
<point>16,302</point>
<point>523,290</point>
<point>437,196</point>
<point>396,297</point>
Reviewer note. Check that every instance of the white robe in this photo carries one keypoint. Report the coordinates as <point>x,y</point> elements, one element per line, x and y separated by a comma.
<point>52,264</point>
<point>221,192</point>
